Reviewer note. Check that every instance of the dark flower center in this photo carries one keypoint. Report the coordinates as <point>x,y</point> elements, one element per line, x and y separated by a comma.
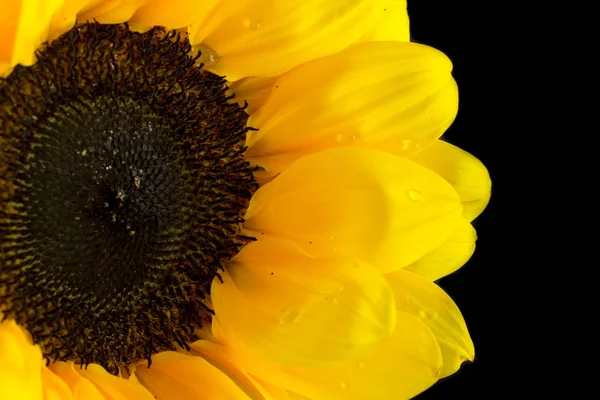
<point>122,191</point>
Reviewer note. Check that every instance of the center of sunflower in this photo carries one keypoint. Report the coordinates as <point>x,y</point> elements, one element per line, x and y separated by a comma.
<point>122,191</point>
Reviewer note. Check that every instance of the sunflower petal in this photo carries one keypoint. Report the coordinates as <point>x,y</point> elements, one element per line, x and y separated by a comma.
<point>172,14</point>
<point>114,388</point>
<point>79,385</point>
<point>176,376</point>
<point>111,11</point>
<point>225,360</point>
<point>394,96</point>
<point>393,25</point>
<point>358,203</point>
<point>405,365</point>
<point>20,364</point>
<point>24,26</point>
<point>449,256</point>
<point>425,300</point>
<point>66,16</point>
<point>466,173</point>
<point>54,387</point>
<point>294,309</point>
<point>254,91</point>
<point>267,37</point>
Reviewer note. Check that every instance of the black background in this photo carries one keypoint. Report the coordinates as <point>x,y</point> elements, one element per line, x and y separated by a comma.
<point>459,30</point>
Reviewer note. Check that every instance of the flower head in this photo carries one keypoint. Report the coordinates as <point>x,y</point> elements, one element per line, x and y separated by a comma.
<point>244,200</point>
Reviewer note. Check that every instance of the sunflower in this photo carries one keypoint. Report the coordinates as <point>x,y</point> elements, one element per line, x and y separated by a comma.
<point>228,200</point>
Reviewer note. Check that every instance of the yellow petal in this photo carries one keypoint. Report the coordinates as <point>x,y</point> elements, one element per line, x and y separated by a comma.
<point>466,173</point>
<point>113,387</point>
<point>393,25</point>
<point>275,391</point>
<point>254,91</point>
<point>405,365</point>
<point>20,364</point>
<point>358,203</point>
<point>224,358</point>
<point>394,96</point>
<point>449,256</point>
<point>24,26</point>
<point>111,11</point>
<point>65,17</point>
<point>175,376</point>
<point>269,37</point>
<point>294,309</point>
<point>80,386</point>
<point>172,14</point>
<point>424,299</point>
<point>54,387</point>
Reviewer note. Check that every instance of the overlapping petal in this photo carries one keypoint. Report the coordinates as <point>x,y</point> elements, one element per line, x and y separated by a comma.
<point>54,387</point>
<point>113,387</point>
<point>389,95</point>
<point>393,25</point>
<point>254,91</point>
<point>110,11</point>
<point>20,364</point>
<point>449,256</point>
<point>294,309</point>
<point>358,203</point>
<point>268,37</point>
<point>424,299</point>
<point>463,171</point>
<point>403,366</point>
<point>65,17</point>
<point>80,386</point>
<point>225,359</point>
<point>24,26</point>
<point>176,376</point>
<point>173,14</point>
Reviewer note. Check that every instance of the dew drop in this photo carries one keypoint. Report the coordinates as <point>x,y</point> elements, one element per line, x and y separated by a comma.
<point>346,138</point>
<point>208,57</point>
<point>428,313</point>
<point>408,145</point>
<point>415,195</point>
<point>253,24</point>
<point>289,317</point>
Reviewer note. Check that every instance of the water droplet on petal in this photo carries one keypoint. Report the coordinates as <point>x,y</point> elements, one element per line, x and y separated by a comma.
<point>253,24</point>
<point>208,57</point>
<point>289,317</point>
<point>428,313</point>
<point>346,138</point>
<point>415,195</point>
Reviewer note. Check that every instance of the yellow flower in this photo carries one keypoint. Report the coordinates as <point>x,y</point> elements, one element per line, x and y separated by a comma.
<point>276,234</point>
